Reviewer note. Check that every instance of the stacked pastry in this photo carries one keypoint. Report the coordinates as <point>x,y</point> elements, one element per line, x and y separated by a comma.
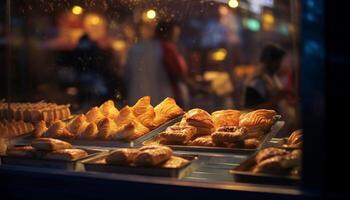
<point>295,140</point>
<point>34,112</point>
<point>278,161</point>
<point>108,123</point>
<point>10,129</point>
<point>48,148</point>
<point>154,156</point>
<point>224,128</point>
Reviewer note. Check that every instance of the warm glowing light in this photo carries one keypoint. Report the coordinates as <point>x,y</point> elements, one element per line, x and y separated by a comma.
<point>219,55</point>
<point>77,10</point>
<point>233,3</point>
<point>223,10</point>
<point>268,18</point>
<point>151,14</point>
<point>119,45</point>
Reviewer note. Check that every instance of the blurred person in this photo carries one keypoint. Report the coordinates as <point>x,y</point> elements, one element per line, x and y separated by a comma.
<point>264,89</point>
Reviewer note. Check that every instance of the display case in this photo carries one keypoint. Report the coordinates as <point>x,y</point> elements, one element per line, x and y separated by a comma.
<point>172,99</point>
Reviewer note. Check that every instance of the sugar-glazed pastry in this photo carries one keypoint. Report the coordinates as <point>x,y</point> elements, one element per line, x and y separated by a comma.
<point>258,120</point>
<point>205,141</point>
<point>90,131</point>
<point>178,134</point>
<point>200,119</point>
<point>268,153</point>
<point>122,156</point>
<point>106,128</point>
<point>152,155</point>
<point>166,110</point>
<point>108,109</point>
<point>40,129</point>
<point>77,125</point>
<point>125,116</point>
<point>226,118</point>
<point>94,115</point>
<point>144,111</point>
<point>58,130</point>
<point>229,134</point>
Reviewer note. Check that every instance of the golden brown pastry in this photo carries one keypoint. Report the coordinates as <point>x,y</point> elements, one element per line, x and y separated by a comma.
<point>11,128</point>
<point>40,129</point>
<point>109,110</point>
<point>205,141</point>
<point>166,110</point>
<point>200,119</point>
<point>67,154</point>
<point>226,118</point>
<point>251,143</point>
<point>279,164</point>
<point>58,130</point>
<point>130,131</point>
<point>77,125</point>
<point>90,132</point>
<point>229,134</point>
<point>152,155</point>
<point>125,116</point>
<point>122,156</point>
<point>175,162</point>
<point>49,144</point>
<point>268,153</point>
<point>295,139</point>
<point>21,151</point>
<point>94,115</point>
<point>144,112</point>
<point>106,128</point>
<point>258,120</point>
<point>178,134</point>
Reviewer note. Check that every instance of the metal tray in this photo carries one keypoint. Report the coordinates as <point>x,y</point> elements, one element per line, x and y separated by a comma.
<point>274,130</point>
<point>243,173</point>
<point>74,165</point>
<point>91,165</point>
<point>282,143</point>
<point>112,143</point>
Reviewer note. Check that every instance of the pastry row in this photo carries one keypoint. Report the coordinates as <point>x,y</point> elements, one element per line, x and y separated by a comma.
<point>47,148</point>
<point>34,112</point>
<point>225,128</point>
<point>106,122</point>
<point>10,129</point>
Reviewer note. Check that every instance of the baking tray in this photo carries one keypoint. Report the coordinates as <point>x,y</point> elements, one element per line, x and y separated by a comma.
<point>273,131</point>
<point>243,173</point>
<point>74,165</point>
<point>112,143</point>
<point>91,165</point>
<point>282,143</point>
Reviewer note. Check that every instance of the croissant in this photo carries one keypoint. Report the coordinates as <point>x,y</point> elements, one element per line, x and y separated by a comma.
<point>106,128</point>
<point>58,130</point>
<point>90,131</point>
<point>258,120</point>
<point>144,111</point>
<point>78,124</point>
<point>166,110</point>
<point>40,129</point>
<point>109,110</point>
<point>226,118</point>
<point>125,116</point>
<point>94,115</point>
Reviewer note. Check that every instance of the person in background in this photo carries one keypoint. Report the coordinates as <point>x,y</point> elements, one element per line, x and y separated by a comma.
<point>145,74</point>
<point>264,89</point>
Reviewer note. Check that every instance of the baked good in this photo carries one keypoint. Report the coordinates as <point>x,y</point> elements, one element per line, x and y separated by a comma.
<point>144,112</point>
<point>90,131</point>
<point>175,162</point>
<point>258,120</point>
<point>122,156</point>
<point>106,128</point>
<point>131,131</point>
<point>94,115</point>
<point>40,129</point>
<point>49,144</point>
<point>125,116</point>
<point>200,119</point>
<point>178,133</point>
<point>205,141</point>
<point>251,143</point>
<point>11,128</point>
<point>226,118</point>
<point>58,130</point>
<point>295,139</point>
<point>152,155</point>
<point>109,110</point>
<point>67,154</point>
<point>20,151</point>
<point>166,110</point>
<point>77,125</point>
<point>229,134</point>
<point>268,153</point>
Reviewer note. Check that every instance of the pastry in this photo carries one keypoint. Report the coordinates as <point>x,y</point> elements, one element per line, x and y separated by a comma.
<point>178,134</point>
<point>67,154</point>
<point>20,151</point>
<point>144,111</point>
<point>268,153</point>
<point>40,129</point>
<point>49,144</point>
<point>94,115</point>
<point>205,141</point>
<point>109,110</point>
<point>258,120</point>
<point>200,119</point>
<point>77,125</point>
<point>295,139</point>
<point>58,130</point>
<point>106,128</point>
<point>90,131</point>
<point>226,118</point>
<point>125,116</point>
<point>12,128</point>
<point>166,110</point>
<point>251,143</point>
<point>152,155</point>
<point>229,134</point>
<point>175,162</point>
<point>130,131</point>
<point>122,156</point>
